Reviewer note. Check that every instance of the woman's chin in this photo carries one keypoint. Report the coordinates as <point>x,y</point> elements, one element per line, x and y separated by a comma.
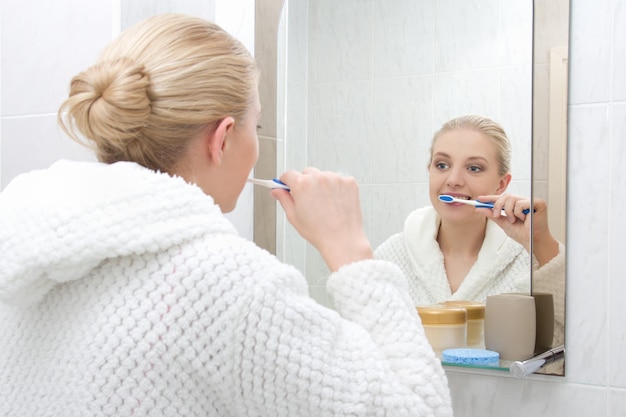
<point>456,214</point>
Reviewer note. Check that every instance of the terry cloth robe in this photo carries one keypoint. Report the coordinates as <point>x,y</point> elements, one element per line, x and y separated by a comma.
<point>126,292</point>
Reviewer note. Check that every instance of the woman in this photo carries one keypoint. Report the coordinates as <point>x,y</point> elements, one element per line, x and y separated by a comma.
<point>125,290</point>
<point>459,252</point>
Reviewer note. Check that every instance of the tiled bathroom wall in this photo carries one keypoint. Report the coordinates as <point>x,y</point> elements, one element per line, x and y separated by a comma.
<point>369,82</point>
<point>41,49</point>
<point>44,44</point>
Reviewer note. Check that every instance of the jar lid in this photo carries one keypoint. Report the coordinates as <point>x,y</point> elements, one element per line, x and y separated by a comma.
<point>441,314</point>
<point>475,309</point>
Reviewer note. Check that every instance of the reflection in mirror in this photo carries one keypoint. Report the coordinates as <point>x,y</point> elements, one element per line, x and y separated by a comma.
<point>550,87</point>
<point>364,85</point>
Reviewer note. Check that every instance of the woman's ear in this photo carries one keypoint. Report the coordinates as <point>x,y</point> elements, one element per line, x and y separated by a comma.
<point>504,182</point>
<point>217,139</point>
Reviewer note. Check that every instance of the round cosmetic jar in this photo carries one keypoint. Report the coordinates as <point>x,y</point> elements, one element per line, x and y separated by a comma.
<point>475,321</point>
<point>445,326</point>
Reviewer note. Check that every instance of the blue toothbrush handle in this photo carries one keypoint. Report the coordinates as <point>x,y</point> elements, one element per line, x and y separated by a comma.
<point>484,205</point>
<point>490,205</point>
<point>277,181</point>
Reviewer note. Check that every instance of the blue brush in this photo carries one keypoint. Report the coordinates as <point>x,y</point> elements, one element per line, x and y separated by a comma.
<point>449,199</point>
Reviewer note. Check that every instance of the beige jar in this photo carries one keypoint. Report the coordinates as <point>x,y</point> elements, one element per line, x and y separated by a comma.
<point>445,326</point>
<point>475,321</point>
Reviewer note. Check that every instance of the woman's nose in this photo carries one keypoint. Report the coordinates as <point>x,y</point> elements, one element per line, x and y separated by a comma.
<point>455,177</point>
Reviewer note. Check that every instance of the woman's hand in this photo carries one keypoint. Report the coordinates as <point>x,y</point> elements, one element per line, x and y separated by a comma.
<point>508,213</point>
<point>324,207</point>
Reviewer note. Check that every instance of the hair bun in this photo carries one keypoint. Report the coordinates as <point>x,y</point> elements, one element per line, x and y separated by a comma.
<point>110,101</point>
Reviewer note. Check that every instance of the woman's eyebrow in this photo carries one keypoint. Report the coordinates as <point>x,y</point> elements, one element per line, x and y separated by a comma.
<point>470,158</point>
<point>477,158</point>
<point>441,154</point>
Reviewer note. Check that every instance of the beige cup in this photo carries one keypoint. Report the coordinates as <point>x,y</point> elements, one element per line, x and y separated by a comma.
<point>544,311</point>
<point>544,307</point>
<point>510,326</point>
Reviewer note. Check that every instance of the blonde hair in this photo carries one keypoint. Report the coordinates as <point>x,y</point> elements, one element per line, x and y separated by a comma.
<point>156,86</point>
<point>492,130</point>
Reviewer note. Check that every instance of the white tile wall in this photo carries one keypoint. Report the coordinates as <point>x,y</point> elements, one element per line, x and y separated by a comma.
<point>397,161</point>
<point>44,44</point>
<point>403,38</point>
<point>617,403</point>
<point>40,143</point>
<point>467,36</point>
<point>382,77</point>
<point>588,243</point>
<point>616,286</point>
<point>133,11</point>
<point>619,51</point>
<point>590,80</point>
<point>484,395</point>
<point>343,24</point>
<point>340,127</point>
<point>1,98</point>
<point>462,92</point>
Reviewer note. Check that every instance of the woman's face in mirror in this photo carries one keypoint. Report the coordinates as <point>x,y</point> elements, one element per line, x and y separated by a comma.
<point>464,164</point>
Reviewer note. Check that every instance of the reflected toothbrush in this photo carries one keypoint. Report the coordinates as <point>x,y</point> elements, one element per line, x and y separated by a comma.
<point>273,183</point>
<point>449,199</point>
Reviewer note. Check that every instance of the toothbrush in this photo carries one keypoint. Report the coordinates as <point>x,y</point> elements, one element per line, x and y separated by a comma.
<point>273,183</point>
<point>449,199</point>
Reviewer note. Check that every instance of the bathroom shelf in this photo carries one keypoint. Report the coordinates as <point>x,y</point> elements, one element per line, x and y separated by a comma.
<point>502,366</point>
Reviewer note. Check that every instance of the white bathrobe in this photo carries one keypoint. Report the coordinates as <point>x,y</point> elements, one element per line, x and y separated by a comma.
<point>127,292</point>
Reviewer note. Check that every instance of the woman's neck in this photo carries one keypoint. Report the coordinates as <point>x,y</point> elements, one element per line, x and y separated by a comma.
<point>460,245</point>
<point>461,239</point>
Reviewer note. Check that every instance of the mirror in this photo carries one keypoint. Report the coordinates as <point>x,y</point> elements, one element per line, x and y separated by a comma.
<point>363,85</point>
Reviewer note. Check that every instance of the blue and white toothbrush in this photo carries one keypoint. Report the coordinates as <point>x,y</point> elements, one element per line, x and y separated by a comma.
<point>273,183</point>
<point>449,199</point>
